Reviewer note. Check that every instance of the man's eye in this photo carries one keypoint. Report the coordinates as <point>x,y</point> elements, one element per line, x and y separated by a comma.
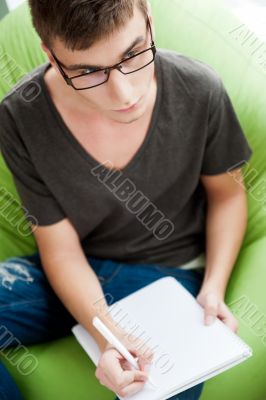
<point>88,70</point>
<point>131,53</point>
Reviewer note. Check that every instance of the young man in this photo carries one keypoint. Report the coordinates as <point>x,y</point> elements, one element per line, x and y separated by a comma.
<point>122,160</point>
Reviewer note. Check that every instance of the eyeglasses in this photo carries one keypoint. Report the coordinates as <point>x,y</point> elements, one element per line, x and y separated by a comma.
<point>98,77</point>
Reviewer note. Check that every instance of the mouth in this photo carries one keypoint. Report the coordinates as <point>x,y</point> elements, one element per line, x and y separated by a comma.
<point>129,109</point>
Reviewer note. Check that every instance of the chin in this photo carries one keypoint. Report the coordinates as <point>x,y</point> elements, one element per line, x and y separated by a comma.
<point>129,118</point>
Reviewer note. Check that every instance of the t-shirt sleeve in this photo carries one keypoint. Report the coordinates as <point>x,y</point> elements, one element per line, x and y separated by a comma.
<point>226,145</point>
<point>39,204</point>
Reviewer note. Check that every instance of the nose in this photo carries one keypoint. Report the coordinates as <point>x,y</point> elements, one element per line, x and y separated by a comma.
<point>120,88</point>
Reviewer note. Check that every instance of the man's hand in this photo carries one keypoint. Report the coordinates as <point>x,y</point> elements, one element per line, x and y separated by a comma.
<point>114,372</point>
<point>214,306</point>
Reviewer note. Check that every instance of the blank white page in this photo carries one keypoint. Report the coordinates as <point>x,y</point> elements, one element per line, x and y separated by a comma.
<point>170,321</point>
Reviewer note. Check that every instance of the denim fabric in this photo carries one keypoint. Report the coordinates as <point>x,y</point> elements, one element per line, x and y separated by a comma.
<point>31,312</point>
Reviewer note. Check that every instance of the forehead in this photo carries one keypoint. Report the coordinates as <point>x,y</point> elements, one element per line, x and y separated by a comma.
<point>105,51</point>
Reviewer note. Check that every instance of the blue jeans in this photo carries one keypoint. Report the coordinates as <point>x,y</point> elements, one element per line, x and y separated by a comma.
<point>32,312</point>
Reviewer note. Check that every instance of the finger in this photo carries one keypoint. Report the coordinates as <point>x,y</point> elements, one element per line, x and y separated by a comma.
<point>210,308</point>
<point>228,318</point>
<point>143,367</point>
<point>114,372</point>
<point>130,376</point>
<point>131,382</point>
<point>131,389</point>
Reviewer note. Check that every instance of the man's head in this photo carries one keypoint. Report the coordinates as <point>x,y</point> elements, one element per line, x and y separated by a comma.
<point>97,33</point>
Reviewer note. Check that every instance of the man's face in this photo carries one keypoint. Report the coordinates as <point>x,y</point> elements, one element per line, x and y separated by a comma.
<point>120,91</point>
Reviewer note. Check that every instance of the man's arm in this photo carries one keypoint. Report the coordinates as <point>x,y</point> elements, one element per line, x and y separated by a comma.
<point>71,277</point>
<point>225,229</point>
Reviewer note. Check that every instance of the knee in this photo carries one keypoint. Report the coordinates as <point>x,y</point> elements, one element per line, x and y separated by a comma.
<point>14,279</point>
<point>13,270</point>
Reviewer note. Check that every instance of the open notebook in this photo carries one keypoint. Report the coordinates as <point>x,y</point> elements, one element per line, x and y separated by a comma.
<point>170,321</point>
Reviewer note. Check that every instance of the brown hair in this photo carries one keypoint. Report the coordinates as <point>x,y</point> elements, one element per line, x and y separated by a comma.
<point>80,23</point>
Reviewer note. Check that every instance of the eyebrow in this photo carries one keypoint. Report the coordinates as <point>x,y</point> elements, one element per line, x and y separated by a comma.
<point>74,67</point>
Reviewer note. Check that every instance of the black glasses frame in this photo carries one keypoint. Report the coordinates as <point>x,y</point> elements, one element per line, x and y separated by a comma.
<point>107,70</point>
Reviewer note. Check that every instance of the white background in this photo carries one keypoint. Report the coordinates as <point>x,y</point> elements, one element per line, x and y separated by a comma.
<point>13,3</point>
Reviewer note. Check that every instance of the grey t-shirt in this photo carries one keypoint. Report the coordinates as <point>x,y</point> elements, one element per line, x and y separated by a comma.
<point>154,209</point>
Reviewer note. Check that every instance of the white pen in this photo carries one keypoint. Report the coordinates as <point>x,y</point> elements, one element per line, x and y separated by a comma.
<point>110,337</point>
